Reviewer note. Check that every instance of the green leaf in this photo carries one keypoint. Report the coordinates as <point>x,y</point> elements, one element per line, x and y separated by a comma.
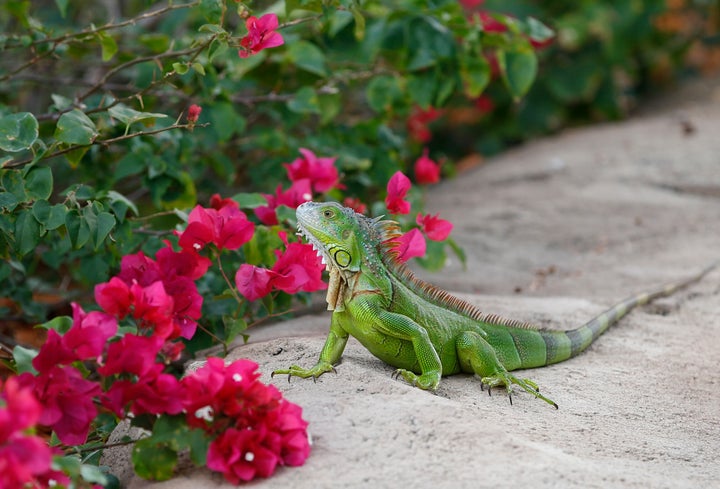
<point>62,6</point>
<point>475,74</point>
<point>217,47</point>
<point>108,45</point>
<point>39,183</point>
<point>60,102</point>
<point>435,257</point>
<point>13,182</point>
<point>421,88</point>
<point>41,211</point>
<point>250,200</point>
<point>23,359</point>
<point>212,10</point>
<point>180,68</point>
<point>330,106</point>
<point>114,196</point>
<point>305,101</point>
<point>198,442</point>
<point>359,22</point>
<point>199,68</point>
<point>56,217</point>
<point>8,201</point>
<point>152,460</point>
<point>77,228</point>
<point>18,131</point>
<point>307,56</point>
<point>61,324</point>
<point>225,121</point>
<point>459,252</point>
<point>75,127</point>
<point>382,92</point>
<point>309,5</point>
<point>212,28</point>
<point>76,155</point>
<point>537,31</point>
<point>105,224</point>
<point>519,68</point>
<point>27,232</point>
<point>129,116</point>
<point>233,327</point>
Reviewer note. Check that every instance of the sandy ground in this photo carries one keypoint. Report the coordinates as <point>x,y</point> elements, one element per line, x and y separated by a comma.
<point>555,231</point>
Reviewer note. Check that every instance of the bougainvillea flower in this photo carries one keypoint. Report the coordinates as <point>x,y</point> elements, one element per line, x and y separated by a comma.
<point>89,333</point>
<point>397,188</point>
<point>321,172</point>
<point>253,282</point>
<point>484,104</point>
<point>156,394</point>
<point>417,123</point>
<point>489,22</point>
<point>242,455</point>
<point>139,268</point>
<point>184,263</point>
<point>23,458</point>
<point>24,461</point>
<point>217,390</point>
<point>299,192</point>
<point>19,410</point>
<point>355,204</point>
<point>228,228</point>
<point>261,35</point>
<point>187,306</point>
<point>410,245</point>
<point>153,308</point>
<point>426,170</point>
<point>193,113</point>
<point>298,268</point>
<point>435,228</point>
<point>217,202</point>
<point>67,400</point>
<point>52,353</point>
<point>287,420</point>
<point>114,297</point>
<point>132,354</point>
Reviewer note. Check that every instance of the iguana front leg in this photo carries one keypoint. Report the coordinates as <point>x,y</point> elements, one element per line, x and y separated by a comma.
<point>330,355</point>
<point>404,328</point>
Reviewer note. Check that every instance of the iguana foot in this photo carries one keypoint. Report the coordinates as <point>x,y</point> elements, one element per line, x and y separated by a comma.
<point>304,373</point>
<point>506,380</point>
<point>426,381</point>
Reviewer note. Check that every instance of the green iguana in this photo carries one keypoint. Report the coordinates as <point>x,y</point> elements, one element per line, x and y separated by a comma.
<point>424,331</point>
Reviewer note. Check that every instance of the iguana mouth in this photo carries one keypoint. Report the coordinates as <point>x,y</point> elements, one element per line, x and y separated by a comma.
<point>336,284</point>
<point>317,246</point>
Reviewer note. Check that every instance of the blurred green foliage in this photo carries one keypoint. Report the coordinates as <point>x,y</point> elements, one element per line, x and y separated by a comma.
<point>605,57</point>
<point>98,159</point>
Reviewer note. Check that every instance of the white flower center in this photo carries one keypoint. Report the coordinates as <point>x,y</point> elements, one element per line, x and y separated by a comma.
<point>205,413</point>
<point>249,456</point>
<point>237,377</point>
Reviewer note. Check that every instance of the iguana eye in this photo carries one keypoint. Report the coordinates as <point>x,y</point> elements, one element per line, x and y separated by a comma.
<point>328,213</point>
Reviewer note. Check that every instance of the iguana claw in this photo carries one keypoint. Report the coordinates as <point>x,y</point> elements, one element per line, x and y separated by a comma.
<point>427,381</point>
<point>504,379</point>
<point>297,371</point>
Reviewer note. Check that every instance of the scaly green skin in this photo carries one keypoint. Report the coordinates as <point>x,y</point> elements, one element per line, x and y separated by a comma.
<point>423,331</point>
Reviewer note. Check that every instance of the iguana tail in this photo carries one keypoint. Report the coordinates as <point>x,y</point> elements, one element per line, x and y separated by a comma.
<point>561,345</point>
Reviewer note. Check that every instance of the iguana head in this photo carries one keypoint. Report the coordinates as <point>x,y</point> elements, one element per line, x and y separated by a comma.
<point>336,232</point>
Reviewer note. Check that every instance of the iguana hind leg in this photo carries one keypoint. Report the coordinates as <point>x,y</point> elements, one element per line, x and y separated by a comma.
<point>478,357</point>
